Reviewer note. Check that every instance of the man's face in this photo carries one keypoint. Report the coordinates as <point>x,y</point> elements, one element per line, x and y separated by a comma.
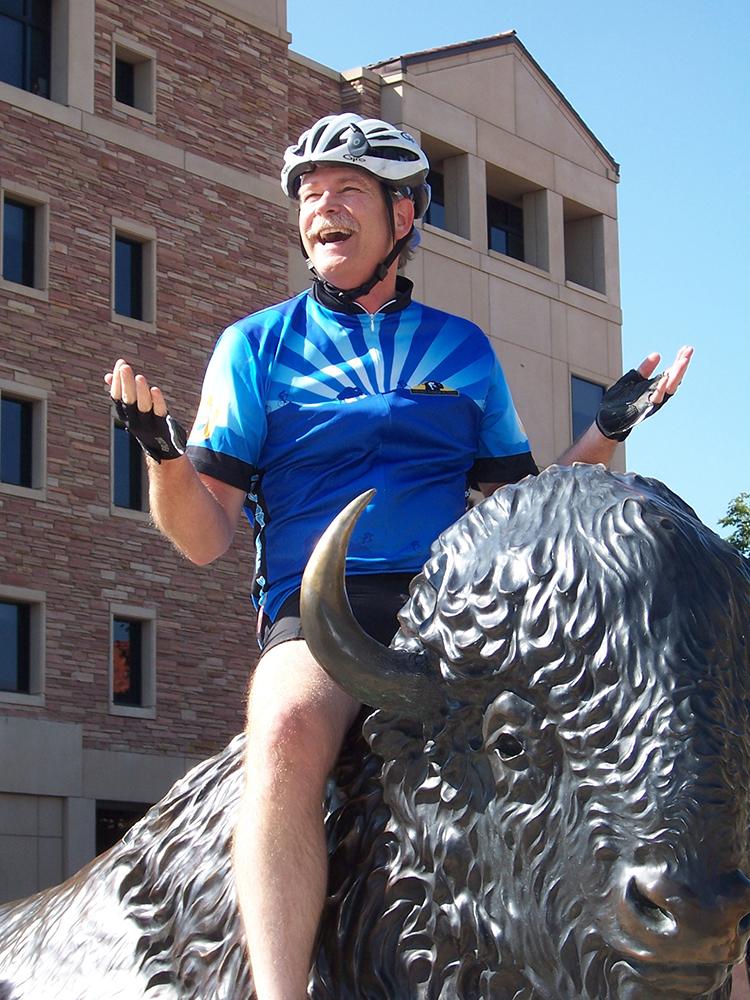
<point>343,224</point>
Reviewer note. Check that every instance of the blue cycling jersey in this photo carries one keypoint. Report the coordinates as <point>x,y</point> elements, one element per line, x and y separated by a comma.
<point>305,407</point>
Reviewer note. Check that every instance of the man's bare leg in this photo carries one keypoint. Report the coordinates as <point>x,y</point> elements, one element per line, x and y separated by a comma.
<point>297,719</point>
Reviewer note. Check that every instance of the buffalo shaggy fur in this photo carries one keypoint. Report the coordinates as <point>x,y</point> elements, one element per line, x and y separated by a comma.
<point>590,639</point>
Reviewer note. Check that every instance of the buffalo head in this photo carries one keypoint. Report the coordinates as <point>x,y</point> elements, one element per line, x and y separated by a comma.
<point>563,721</point>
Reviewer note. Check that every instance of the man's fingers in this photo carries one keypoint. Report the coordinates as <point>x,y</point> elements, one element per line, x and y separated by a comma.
<point>124,380</point>
<point>113,381</point>
<point>143,394</point>
<point>160,405</point>
<point>131,388</point>
<point>647,367</point>
<point>670,380</point>
<point>676,371</point>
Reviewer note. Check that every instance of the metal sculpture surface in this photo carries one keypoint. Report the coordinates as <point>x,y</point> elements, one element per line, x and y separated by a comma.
<point>551,800</point>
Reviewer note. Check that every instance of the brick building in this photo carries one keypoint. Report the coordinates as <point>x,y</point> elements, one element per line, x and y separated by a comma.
<point>140,213</point>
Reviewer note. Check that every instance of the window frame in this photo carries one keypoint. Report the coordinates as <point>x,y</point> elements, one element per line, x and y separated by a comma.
<point>146,617</point>
<point>493,203</point>
<point>453,166</point>
<point>39,202</point>
<point>38,399</point>
<point>143,60</point>
<point>36,601</point>
<point>584,249</point>
<point>145,235</point>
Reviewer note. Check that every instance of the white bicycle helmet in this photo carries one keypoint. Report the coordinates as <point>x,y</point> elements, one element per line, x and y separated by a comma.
<point>393,156</point>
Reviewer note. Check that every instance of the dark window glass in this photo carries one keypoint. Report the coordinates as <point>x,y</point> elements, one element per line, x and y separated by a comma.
<point>127,662</point>
<point>128,277</point>
<point>15,643</point>
<point>585,397</point>
<point>435,215</point>
<point>125,82</point>
<point>18,242</point>
<point>11,51</point>
<point>504,228</point>
<point>128,472</point>
<point>114,819</point>
<point>25,39</point>
<point>16,416</point>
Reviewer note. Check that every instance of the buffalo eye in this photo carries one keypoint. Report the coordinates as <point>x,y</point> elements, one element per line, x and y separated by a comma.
<point>508,746</point>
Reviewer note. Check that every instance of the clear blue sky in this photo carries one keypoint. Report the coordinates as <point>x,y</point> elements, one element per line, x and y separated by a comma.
<point>665,86</point>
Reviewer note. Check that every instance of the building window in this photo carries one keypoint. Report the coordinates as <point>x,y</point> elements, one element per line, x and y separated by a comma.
<point>21,645</point>
<point>128,277</point>
<point>15,647</point>
<point>114,819</point>
<point>127,662</point>
<point>435,215</point>
<point>132,662</point>
<point>18,242</point>
<point>25,44</point>
<point>505,228</point>
<point>134,77</point>
<point>133,272</point>
<point>517,217</point>
<point>585,398</point>
<point>23,414</point>
<point>128,470</point>
<point>16,423</point>
<point>23,237</point>
<point>450,187</point>
<point>583,233</point>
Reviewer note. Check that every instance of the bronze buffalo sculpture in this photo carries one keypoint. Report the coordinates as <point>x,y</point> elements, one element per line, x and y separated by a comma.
<point>549,799</point>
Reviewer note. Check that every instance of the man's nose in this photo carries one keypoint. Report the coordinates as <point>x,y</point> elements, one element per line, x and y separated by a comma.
<point>327,201</point>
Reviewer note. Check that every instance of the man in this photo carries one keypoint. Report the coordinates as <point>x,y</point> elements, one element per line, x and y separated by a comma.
<point>346,386</point>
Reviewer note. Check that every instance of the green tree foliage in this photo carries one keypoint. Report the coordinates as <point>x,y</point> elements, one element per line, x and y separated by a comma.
<point>738,518</point>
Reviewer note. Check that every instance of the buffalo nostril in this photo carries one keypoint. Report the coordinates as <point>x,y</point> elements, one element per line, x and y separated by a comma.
<point>744,924</point>
<point>648,909</point>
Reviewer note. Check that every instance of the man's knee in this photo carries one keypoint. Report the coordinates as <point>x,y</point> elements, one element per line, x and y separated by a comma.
<point>297,717</point>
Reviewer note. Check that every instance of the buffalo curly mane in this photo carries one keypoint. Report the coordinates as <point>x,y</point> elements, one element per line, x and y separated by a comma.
<point>533,588</point>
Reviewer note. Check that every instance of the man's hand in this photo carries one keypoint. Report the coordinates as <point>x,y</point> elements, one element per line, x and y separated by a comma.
<point>637,395</point>
<point>143,410</point>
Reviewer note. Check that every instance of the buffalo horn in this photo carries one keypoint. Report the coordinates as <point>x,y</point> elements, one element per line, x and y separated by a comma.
<point>373,674</point>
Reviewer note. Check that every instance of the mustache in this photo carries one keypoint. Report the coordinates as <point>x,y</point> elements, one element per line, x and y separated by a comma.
<point>339,221</point>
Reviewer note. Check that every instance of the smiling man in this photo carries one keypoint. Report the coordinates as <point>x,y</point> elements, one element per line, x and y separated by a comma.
<point>347,386</point>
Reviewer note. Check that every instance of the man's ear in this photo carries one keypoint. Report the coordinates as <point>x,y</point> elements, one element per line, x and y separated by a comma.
<point>403,216</point>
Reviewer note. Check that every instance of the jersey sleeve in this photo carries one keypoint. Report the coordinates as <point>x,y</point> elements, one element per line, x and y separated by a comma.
<point>503,455</point>
<point>230,425</point>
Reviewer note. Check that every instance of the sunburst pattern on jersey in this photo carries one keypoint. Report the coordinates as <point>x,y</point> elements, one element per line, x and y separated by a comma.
<point>375,355</point>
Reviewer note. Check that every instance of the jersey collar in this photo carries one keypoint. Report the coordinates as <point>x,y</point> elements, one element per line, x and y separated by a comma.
<point>325,295</point>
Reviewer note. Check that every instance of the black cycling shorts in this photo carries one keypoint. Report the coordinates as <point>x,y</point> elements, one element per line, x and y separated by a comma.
<point>375,598</point>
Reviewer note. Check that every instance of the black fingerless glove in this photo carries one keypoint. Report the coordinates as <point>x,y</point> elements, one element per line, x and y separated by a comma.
<point>627,403</point>
<point>160,437</point>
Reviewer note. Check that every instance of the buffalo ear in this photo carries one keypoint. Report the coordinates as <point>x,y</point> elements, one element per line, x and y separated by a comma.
<point>373,674</point>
